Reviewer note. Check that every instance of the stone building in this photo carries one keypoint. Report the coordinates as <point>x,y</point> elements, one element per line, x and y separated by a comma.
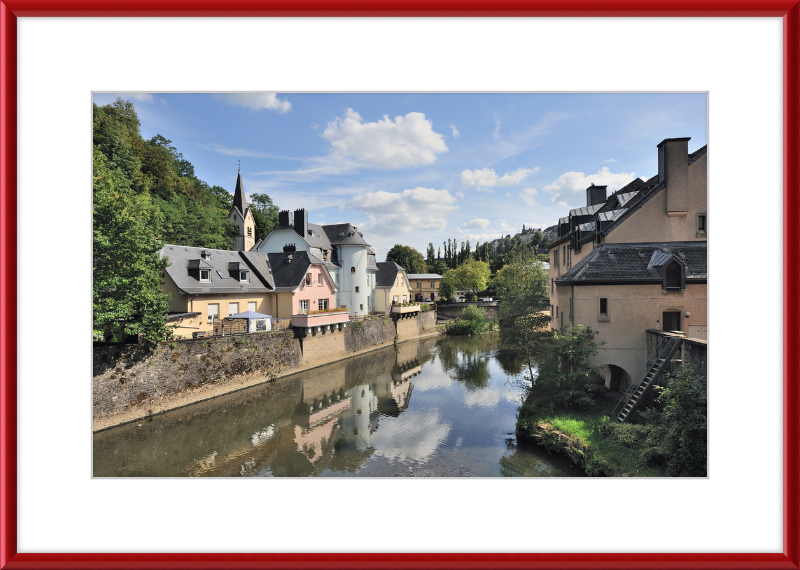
<point>636,260</point>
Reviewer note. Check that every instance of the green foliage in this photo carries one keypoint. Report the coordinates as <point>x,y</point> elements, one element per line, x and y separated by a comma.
<point>408,258</point>
<point>472,322</point>
<point>679,425</point>
<point>472,275</point>
<point>125,250</point>
<point>265,214</point>
<point>447,286</point>
<point>424,308</point>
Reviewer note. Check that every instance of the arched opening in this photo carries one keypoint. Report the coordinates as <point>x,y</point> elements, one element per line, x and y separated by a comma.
<point>619,379</point>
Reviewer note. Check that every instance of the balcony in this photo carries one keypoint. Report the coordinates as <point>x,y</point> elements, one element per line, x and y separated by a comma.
<point>404,311</point>
<point>322,322</point>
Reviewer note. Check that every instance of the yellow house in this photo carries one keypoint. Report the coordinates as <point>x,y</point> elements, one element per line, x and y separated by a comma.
<point>636,260</point>
<point>425,286</point>
<point>205,285</point>
<point>391,285</point>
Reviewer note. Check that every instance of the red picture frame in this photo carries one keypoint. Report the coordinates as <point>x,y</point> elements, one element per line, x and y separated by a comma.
<point>789,10</point>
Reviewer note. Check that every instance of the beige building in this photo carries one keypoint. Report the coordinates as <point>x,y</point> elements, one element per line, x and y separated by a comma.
<point>391,285</point>
<point>425,286</point>
<point>635,261</point>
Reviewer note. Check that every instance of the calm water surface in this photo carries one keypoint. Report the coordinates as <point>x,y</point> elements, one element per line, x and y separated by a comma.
<point>435,407</point>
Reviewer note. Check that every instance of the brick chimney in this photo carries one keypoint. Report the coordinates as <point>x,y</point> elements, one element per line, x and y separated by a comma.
<point>595,195</point>
<point>301,222</point>
<point>673,170</point>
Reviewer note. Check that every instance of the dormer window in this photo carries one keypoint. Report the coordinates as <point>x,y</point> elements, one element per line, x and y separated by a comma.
<point>205,275</point>
<point>243,276</point>
<point>673,277</point>
<point>702,225</point>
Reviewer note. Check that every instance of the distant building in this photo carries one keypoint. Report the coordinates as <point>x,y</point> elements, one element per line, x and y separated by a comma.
<point>636,260</point>
<point>241,215</point>
<point>392,286</point>
<point>425,286</point>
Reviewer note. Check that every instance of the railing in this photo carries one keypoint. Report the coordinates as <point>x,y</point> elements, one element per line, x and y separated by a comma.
<point>642,374</point>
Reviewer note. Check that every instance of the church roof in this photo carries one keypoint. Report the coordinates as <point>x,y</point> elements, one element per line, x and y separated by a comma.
<point>239,203</point>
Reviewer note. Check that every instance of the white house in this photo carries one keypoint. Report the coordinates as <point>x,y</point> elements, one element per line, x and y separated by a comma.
<point>341,247</point>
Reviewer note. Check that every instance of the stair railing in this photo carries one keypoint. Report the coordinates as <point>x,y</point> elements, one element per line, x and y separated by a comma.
<point>642,374</point>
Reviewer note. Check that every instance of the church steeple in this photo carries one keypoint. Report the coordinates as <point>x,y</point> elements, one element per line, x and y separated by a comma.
<point>238,195</point>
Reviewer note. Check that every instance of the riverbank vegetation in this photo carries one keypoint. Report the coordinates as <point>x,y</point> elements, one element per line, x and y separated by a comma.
<point>472,322</point>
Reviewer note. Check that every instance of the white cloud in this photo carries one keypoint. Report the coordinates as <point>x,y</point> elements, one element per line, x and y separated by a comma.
<point>455,131</point>
<point>508,194</point>
<point>257,101</point>
<point>485,178</point>
<point>314,126</point>
<point>222,149</point>
<point>569,184</point>
<point>527,196</point>
<point>385,144</point>
<point>460,194</point>
<point>476,224</point>
<point>399,213</point>
<point>610,160</point>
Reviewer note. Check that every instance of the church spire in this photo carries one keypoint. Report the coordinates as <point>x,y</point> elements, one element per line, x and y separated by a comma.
<point>238,195</point>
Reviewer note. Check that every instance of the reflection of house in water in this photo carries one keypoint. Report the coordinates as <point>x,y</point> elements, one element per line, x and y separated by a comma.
<point>329,425</point>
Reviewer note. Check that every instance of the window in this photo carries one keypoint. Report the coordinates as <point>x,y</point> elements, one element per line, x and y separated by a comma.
<point>322,304</point>
<point>249,232</point>
<point>205,275</point>
<point>405,299</point>
<point>243,276</point>
<point>555,258</point>
<point>233,309</point>
<point>303,307</point>
<point>213,312</point>
<point>702,225</point>
<point>251,306</point>
<point>552,283</point>
<point>419,284</point>
<point>356,289</point>
<point>361,307</point>
<point>319,279</point>
<point>673,276</point>
<point>602,309</point>
<point>395,299</point>
<point>433,286</point>
<point>352,270</point>
<point>308,279</point>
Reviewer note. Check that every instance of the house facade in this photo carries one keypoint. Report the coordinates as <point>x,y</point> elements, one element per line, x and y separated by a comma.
<point>392,286</point>
<point>205,285</point>
<point>636,260</point>
<point>341,248</point>
<point>425,286</point>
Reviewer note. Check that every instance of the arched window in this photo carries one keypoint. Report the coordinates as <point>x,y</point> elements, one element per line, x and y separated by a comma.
<point>352,270</point>
<point>674,276</point>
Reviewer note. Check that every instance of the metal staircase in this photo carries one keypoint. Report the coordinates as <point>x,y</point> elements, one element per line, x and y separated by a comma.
<point>652,369</point>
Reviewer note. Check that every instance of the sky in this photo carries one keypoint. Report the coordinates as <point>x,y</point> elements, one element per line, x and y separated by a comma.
<point>417,168</point>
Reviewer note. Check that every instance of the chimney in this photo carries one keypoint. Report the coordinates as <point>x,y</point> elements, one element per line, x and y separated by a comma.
<point>673,170</point>
<point>289,248</point>
<point>595,195</point>
<point>301,222</point>
<point>285,219</point>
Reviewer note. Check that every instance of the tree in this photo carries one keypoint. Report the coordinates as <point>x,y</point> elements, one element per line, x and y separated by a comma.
<point>408,258</point>
<point>265,214</point>
<point>680,425</point>
<point>473,275</point>
<point>431,254</point>
<point>438,267</point>
<point>126,264</point>
<point>447,286</point>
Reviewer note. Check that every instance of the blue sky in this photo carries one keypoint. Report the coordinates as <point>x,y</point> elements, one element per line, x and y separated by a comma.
<point>417,168</point>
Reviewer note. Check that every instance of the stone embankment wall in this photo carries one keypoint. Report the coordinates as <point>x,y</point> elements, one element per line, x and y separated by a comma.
<point>134,381</point>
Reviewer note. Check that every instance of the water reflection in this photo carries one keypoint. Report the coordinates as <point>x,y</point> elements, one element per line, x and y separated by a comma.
<point>352,417</point>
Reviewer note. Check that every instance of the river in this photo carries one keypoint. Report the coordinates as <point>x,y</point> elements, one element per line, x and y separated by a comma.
<point>442,406</point>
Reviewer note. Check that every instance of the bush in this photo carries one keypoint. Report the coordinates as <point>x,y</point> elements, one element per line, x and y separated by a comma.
<point>424,308</point>
<point>470,296</point>
<point>473,313</point>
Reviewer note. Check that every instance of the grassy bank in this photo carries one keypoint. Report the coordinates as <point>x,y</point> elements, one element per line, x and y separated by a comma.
<point>578,434</point>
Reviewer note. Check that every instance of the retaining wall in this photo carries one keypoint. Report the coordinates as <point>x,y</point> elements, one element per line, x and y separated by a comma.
<point>138,380</point>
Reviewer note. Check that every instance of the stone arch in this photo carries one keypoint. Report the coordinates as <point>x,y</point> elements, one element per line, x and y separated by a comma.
<point>617,378</point>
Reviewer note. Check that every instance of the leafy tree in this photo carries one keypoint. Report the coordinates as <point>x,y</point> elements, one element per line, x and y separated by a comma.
<point>431,255</point>
<point>679,425</point>
<point>265,214</point>
<point>447,286</point>
<point>126,264</point>
<point>473,275</point>
<point>408,258</point>
<point>438,267</point>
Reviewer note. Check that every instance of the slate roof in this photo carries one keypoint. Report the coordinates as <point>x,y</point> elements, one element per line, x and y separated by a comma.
<point>239,202</point>
<point>631,262</point>
<point>586,210</point>
<point>289,269</point>
<point>344,234</point>
<point>387,274</point>
<point>424,276</point>
<point>258,264</point>
<point>371,262</point>
<point>610,216</point>
<point>174,316</point>
<point>587,227</point>
<point>319,237</point>
<point>184,259</point>
<point>698,153</point>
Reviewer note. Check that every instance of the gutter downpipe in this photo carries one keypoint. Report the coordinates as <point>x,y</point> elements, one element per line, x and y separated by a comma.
<point>572,306</point>
<point>191,303</point>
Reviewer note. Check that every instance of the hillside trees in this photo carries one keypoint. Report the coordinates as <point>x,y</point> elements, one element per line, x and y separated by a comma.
<point>265,214</point>
<point>408,258</point>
